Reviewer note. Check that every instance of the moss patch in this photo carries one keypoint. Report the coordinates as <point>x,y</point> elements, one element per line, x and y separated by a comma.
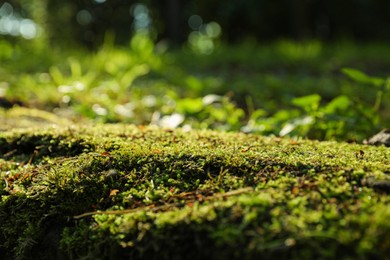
<point>115,191</point>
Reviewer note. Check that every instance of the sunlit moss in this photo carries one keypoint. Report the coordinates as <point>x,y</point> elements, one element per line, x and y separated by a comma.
<point>120,190</point>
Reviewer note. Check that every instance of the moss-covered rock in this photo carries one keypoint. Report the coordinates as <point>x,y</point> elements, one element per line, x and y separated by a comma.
<point>122,191</point>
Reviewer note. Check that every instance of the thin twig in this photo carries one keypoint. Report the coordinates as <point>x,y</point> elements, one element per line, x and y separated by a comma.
<point>10,153</point>
<point>162,207</point>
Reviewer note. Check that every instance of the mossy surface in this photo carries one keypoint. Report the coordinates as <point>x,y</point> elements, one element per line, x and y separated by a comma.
<point>124,191</point>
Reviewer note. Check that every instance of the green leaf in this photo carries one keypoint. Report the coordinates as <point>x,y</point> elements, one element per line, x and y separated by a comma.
<point>6,50</point>
<point>339,103</point>
<point>132,74</point>
<point>258,113</point>
<point>142,45</point>
<point>194,83</point>
<point>361,77</point>
<point>190,105</point>
<point>57,76</point>
<point>387,84</point>
<point>75,68</point>
<point>308,103</point>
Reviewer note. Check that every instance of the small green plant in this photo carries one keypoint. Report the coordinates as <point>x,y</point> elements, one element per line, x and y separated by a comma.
<point>381,84</point>
<point>342,118</point>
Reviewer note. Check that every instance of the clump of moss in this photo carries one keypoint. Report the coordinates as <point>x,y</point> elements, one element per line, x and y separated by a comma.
<point>112,191</point>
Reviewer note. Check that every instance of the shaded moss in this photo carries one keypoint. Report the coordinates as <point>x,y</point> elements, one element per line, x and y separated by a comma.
<point>34,146</point>
<point>112,191</point>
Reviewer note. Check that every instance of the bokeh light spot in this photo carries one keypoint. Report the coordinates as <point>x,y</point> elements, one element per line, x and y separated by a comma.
<point>195,21</point>
<point>142,20</point>
<point>213,29</point>
<point>28,29</point>
<point>6,9</point>
<point>84,17</point>
<point>201,43</point>
<point>13,24</point>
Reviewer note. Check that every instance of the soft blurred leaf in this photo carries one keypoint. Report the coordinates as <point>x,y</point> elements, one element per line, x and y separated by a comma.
<point>387,84</point>
<point>135,72</point>
<point>5,50</point>
<point>142,45</point>
<point>218,114</point>
<point>361,77</point>
<point>310,102</point>
<point>75,68</point>
<point>194,83</point>
<point>190,105</point>
<point>57,76</point>
<point>282,115</point>
<point>258,113</point>
<point>338,103</point>
<point>235,116</point>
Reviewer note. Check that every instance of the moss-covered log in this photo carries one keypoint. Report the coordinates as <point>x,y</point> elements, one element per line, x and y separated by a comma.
<point>127,192</point>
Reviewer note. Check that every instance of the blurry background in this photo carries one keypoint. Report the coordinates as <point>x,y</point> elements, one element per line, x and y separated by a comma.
<point>314,68</point>
<point>86,21</point>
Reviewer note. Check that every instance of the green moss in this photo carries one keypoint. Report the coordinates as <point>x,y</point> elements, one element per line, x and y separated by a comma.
<point>142,192</point>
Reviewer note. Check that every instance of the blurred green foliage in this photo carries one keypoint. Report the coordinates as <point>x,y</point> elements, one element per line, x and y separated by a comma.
<point>286,88</point>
